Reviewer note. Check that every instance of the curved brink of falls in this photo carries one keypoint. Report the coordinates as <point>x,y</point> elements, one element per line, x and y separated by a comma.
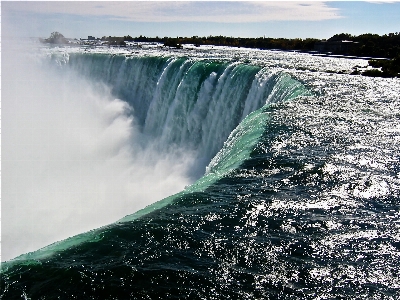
<point>188,103</point>
<point>215,109</point>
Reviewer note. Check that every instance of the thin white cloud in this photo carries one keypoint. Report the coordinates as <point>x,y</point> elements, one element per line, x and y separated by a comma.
<point>382,1</point>
<point>193,11</point>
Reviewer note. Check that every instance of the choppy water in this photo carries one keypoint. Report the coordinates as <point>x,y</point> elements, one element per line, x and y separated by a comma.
<point>300,199</point>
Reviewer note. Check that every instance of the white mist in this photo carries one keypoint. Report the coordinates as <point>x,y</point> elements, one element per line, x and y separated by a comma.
<point>72,158</point>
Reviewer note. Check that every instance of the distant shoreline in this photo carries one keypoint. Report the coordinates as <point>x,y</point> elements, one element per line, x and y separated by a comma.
<point>382,52</point>
<point>365,45</point>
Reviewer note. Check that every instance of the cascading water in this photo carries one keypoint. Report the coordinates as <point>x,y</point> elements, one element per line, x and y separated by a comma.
<point>189,103</point>
<point>293,199</point>
<point>183,108</point>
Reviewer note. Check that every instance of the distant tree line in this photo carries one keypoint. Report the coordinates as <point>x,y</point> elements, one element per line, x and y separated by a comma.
<point>261,42</point>
<point>372,45</point>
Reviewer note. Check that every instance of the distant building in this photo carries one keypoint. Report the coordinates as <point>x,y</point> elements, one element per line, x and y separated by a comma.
<point>337,47</point>
<point>91,38</point>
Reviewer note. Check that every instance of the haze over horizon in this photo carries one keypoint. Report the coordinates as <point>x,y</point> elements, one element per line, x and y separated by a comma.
<point>284,19</point>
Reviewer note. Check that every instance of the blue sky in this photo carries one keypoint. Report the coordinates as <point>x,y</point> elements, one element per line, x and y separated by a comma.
<point>287,19</point>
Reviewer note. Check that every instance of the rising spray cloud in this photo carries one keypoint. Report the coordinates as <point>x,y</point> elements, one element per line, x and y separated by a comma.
<point>73,158</point>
